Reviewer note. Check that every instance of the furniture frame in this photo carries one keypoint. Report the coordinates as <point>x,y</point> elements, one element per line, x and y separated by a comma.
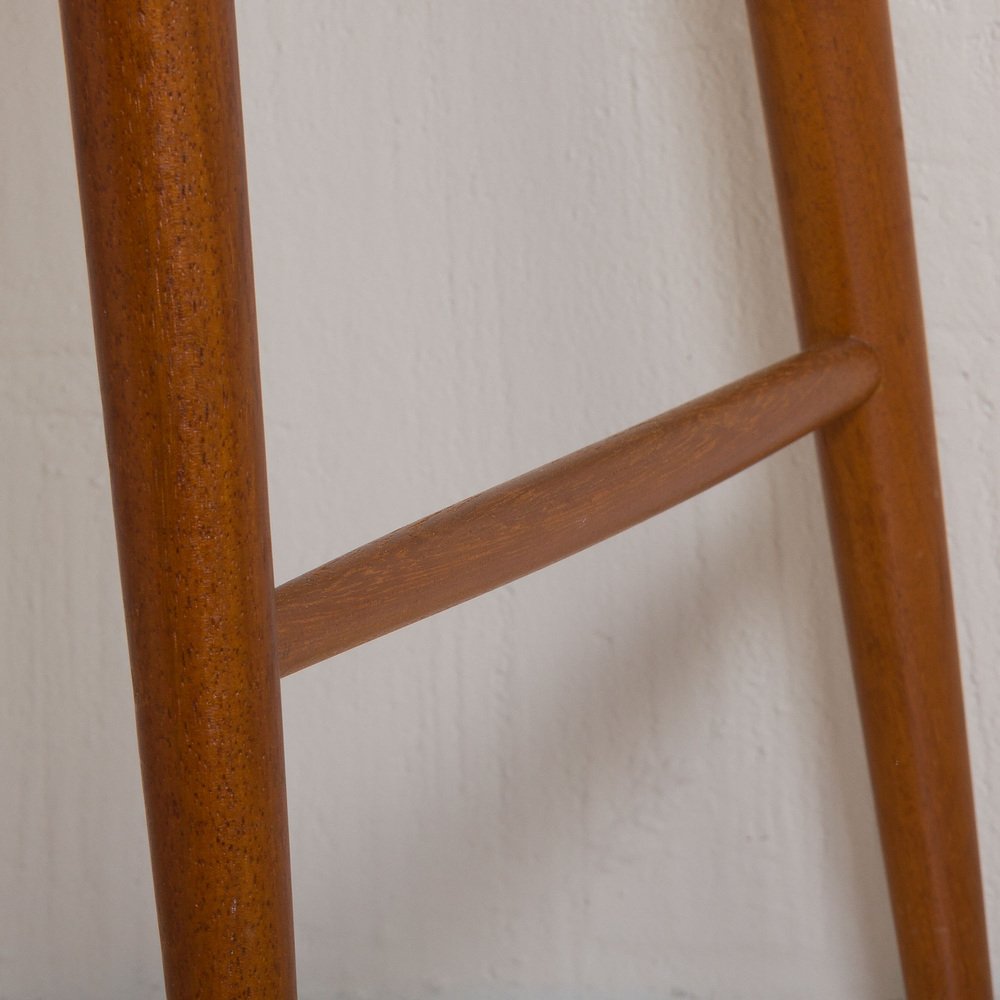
<point>156,111</point>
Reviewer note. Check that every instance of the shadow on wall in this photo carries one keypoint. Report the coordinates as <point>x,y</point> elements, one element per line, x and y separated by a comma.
<point>618,762</point>
<point>642,704</point>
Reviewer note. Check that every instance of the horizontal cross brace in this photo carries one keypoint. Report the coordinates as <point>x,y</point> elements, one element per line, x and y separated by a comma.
<point>554,511</point>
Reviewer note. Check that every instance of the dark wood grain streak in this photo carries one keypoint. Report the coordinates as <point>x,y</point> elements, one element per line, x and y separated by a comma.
<point>561,508</point>
<point>154,92</point>
<point>829,87</point>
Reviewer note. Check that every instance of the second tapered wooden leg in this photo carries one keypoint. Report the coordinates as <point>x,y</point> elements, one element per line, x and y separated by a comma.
<point>829,88</point>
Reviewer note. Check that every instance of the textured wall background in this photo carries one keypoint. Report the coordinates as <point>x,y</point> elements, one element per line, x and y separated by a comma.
<point>487,233</point>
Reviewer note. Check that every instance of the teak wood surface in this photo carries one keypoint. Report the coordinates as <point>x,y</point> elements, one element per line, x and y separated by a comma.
<point>565,506</point>
<point>156,110</point>
<point>154,93</point>
<point>828,82</point>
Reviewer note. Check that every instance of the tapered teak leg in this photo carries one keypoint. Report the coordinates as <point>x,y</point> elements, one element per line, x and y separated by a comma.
<point>829,89</point>
<point>156,112</point>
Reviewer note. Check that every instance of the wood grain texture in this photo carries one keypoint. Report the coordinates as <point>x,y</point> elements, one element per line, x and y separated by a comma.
<point>155,99</point>
<point>829,88</point>
<point>565,506</point>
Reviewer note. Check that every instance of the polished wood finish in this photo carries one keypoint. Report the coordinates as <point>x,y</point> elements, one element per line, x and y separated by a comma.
<point>155,100</point>
<point>565,506</point>
<point>156,111</point>
<point>829,88</point>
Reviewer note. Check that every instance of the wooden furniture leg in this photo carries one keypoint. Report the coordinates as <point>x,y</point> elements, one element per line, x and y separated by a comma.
<point>155,100</point>
<point>829,88</point>
<point>156,111</point>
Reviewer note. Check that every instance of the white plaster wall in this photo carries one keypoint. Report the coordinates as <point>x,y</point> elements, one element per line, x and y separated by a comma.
<point>487,233</point>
